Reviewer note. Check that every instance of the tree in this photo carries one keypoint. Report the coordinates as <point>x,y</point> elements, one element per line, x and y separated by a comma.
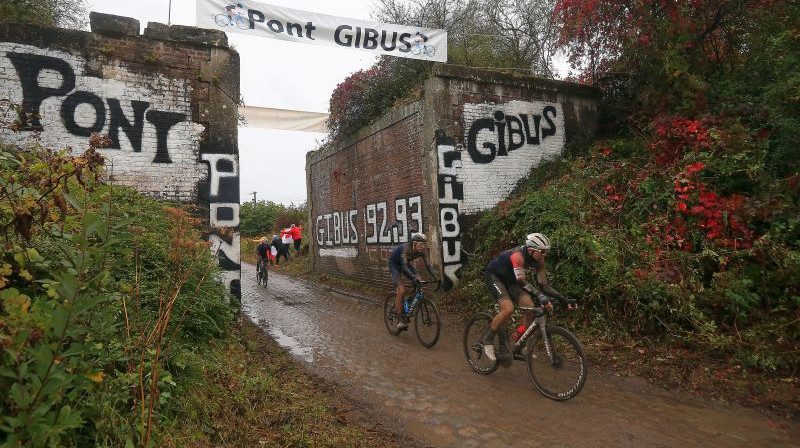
<point>514,34</point>
<point>508,34</point>
<point>265,218</point>
<point>671,47</point>
<point>71,14</point>
<point>258,219</point>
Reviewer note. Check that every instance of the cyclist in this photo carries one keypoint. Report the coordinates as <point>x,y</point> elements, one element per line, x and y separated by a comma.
<point>505,277</point>
<point>400,262</point>
<point>262,252</point>
<point>232,10</point>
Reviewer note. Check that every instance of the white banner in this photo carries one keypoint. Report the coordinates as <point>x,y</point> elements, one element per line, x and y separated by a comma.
<point>288,120</point>
<point>259,19</point>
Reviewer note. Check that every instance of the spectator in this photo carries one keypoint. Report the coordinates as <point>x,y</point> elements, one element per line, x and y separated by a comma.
<point>297,236</point>
<point>287,239</point>
<point>273,253</point>
<point>281,248</point>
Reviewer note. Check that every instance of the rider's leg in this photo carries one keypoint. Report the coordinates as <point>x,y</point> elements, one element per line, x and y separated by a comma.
<point>399,292</point>
<point>506,308</point>
<point>503,298</point>
<point>398,300</point>
<point>500,293</point>
<point>526,301</point>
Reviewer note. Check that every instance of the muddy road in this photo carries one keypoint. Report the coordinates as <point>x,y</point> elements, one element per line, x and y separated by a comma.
<point>439,400</point>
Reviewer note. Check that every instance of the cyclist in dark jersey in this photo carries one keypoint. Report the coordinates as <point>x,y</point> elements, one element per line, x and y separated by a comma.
<point>505,277</point>
<point>262,250</point>
<point>400,262</point>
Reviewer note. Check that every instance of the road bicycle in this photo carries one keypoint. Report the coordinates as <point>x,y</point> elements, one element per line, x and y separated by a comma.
<point>556,361</point>
<point>418,308</point>
<point>428,50</point>
<point>239,20</point>
<point>262,273</point>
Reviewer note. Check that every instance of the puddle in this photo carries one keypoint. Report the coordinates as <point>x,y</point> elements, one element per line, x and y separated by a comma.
<point>291,344</point>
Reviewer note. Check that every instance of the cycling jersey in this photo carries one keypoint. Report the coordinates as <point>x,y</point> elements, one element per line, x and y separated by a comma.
<point>403,254</point>
<point>510,265</point>
<point>262,249</point>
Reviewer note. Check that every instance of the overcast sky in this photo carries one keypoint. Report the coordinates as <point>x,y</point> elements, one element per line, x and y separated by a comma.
<point>275,74</point>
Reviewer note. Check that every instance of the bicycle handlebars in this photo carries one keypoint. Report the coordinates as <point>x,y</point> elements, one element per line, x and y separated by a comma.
<point>417,284</point>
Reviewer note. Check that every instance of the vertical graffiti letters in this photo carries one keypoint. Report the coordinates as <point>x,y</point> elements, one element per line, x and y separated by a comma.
<point>451,191</point>
<point>224,212</point>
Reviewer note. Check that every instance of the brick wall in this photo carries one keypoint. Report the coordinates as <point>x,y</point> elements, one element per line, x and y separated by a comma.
<point>367,197</point>
<point>168,100</point>
<point>491,130</point>
<point>457,152</point>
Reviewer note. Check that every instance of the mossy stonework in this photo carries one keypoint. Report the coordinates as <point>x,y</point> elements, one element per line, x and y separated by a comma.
<point>173,134</point>
<point>429,165</point>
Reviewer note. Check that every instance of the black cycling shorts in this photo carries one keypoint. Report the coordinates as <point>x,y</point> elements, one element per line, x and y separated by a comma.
<point>396,271</point>
<point>501,291</point>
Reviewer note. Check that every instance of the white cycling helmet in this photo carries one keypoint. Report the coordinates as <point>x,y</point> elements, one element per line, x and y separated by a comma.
<point>419,238</point>
<point>537,241</point>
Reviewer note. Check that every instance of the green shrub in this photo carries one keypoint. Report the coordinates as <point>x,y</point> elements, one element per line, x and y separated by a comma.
<point>91,315</point>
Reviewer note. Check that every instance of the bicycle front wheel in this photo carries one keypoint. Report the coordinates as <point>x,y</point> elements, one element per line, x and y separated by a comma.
<point>473,348</point>
<point>562,376</point>
<point>265,270</point>
<point>426,323</point>
<point>242,23</point>
<point>390,317</point>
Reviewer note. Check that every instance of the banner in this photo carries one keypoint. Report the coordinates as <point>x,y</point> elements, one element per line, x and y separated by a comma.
<point>288,120</point>
<point>259,19</point>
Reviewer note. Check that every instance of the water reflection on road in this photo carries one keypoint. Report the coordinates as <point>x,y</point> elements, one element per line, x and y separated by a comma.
<point>441,401</point>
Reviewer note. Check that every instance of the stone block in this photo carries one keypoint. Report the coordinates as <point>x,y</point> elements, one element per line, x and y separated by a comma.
<point>112,25</point>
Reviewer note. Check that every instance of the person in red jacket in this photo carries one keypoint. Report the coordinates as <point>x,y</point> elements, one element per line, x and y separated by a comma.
<point>297,236</point>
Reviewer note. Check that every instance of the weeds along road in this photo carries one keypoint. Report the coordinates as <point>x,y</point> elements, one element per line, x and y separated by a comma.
<point>439,400</point>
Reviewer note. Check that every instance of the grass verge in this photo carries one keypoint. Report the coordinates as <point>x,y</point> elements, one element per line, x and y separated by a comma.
<point>246,392</point>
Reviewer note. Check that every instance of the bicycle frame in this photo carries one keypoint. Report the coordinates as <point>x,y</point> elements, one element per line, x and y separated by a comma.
<point>412,307</point>
<point>540,322</point>
<point>563,357</point>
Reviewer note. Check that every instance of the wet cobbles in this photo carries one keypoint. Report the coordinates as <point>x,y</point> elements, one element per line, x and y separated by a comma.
<point>442,402</point>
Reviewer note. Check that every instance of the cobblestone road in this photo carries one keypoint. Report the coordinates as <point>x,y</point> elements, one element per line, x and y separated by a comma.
<point>441,401</point>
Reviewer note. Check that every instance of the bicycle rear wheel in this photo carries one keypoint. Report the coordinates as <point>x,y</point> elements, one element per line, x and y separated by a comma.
<point>426,323</point>
<point>390,317</point>
<point>222,20</point>
<point>473,348</point>
<point>564,376</point>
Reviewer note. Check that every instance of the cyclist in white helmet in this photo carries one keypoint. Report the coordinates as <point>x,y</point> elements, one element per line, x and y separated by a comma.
<point>400,263</point>
<point>505,277</point>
